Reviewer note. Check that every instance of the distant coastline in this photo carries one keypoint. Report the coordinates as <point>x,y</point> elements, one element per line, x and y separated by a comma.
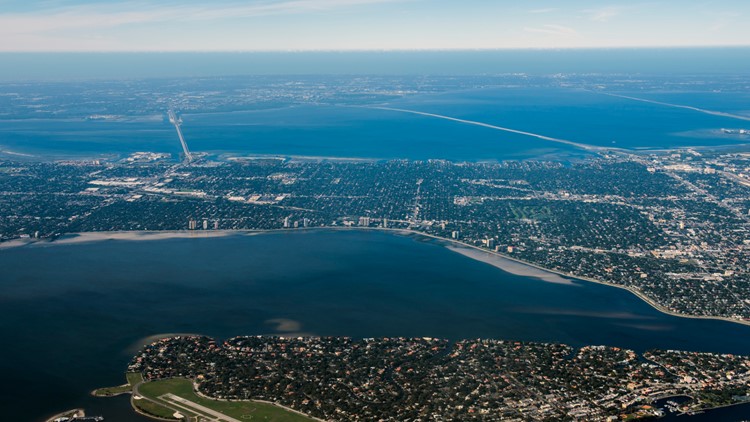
<point>499,260</point>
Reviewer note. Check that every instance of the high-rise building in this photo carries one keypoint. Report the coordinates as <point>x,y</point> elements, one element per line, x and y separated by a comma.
<point>192,224</point>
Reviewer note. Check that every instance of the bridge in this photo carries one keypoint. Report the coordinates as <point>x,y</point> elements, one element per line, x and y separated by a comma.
<point>173,119</point>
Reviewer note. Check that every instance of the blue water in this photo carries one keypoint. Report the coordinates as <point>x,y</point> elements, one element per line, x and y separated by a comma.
<point>345,131</point>
<point>590,117</point>
<point>72,315</point>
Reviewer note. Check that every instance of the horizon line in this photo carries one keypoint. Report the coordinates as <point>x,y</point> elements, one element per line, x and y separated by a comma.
<point>393,50</point>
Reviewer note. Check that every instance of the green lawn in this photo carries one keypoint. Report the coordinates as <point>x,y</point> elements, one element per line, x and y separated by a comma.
<point>133,378</point>
<point>112,391</point>
<point>243,410</point>
<point>154,409</point>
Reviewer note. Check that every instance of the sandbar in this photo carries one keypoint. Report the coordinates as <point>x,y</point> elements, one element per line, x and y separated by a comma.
<point>510,266</point>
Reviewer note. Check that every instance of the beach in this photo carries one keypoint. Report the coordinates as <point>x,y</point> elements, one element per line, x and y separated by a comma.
<point>88,237</point>
<point>510,266</point>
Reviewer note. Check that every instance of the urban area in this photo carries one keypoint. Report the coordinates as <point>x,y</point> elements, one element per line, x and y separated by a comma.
<point>400,379</point>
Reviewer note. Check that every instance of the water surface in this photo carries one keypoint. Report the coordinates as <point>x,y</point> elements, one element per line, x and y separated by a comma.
<point>72,315</point>
<point>335,130</point>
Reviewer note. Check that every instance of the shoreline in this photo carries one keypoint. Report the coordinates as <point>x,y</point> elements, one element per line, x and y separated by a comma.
<point>499,260</point>
<point>229,156</point>
<point>79,412</point>
<point>95,392</point>
<point>709,409</point>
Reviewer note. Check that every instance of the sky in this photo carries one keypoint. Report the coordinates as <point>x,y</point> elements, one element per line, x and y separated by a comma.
<point>336,25</point>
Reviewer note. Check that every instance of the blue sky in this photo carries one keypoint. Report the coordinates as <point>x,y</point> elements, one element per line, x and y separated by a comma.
<point>292,25</point>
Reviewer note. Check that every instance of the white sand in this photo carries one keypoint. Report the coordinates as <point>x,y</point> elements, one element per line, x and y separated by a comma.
<point>510,266</point>
<point>88,237</point>
<point>15,243</point>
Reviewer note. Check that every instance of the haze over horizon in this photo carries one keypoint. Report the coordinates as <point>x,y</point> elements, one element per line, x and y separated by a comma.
<point>355,25</point>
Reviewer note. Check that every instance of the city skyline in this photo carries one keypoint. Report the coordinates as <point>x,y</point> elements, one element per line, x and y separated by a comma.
<point>354,25</point>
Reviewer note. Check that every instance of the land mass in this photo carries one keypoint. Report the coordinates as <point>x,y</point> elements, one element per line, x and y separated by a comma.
<point>396,379</point>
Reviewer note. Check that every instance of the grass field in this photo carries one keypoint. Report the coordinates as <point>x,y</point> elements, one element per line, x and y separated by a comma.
<point>133,378</point>
<point>153,409</point>
<point>531,212</point>
<point>113,391</point>
<point>242,410</point>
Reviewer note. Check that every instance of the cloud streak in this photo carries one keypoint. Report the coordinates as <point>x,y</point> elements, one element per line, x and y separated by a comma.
<point>309,25</point>
<point>552,30</point>
<point>542,11</point>
<point>604,14</point>
<point>96,17</point>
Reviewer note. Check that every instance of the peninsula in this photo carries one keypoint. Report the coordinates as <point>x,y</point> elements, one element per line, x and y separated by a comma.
<point>396,379</point>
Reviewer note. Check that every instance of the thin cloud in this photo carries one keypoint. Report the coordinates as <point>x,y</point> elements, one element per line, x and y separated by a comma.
<point>604,14</point>
<point>286,7</point>
<point>724,20</point>
<point>72,20</point>
<point>552,30</point>
<point>541,11</point>
<point>95,17</point>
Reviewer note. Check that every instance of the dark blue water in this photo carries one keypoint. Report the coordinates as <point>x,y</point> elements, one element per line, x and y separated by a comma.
<point>738,412</point>
<point>339,131</point>
<point>72,315</point>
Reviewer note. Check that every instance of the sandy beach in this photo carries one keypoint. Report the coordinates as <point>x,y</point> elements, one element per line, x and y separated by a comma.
<point>88,237</point>
<point>17,243</point>
<point>510,266</point>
